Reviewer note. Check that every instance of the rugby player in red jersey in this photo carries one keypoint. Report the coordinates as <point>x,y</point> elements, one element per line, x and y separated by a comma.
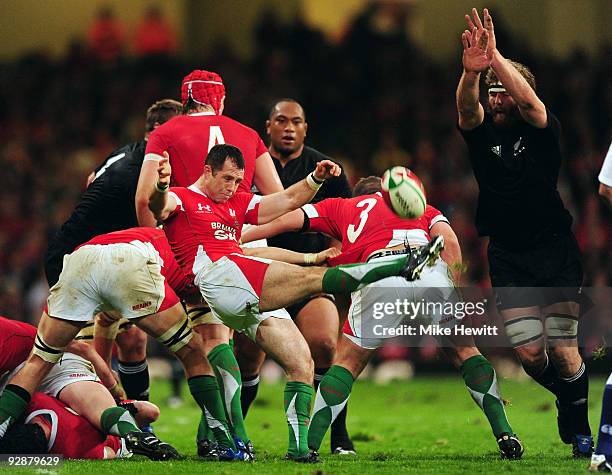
<point>133,272</point>
<point>203,224</point>
<point>371,232</point>
<point>187,140</point>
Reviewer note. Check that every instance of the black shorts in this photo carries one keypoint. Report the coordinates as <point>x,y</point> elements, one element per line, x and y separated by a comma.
<point>296,308</point>
<point>536,277</point>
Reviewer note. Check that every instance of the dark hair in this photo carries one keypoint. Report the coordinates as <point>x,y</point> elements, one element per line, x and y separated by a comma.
<point>219,153</point>
<point>24,439</point>
<point>162,111</point>
<point>190,105</point>
<point>491,77</point>
<point>367,186</point>
<point>285,99</point>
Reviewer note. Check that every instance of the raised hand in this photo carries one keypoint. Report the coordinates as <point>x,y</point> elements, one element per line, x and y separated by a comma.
<point>164,170</point>
<point>488,24</point>
<point>475,45</point>
<point>326,169</point>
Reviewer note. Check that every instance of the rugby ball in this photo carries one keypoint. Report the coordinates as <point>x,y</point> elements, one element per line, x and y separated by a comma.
<point>403,192</point>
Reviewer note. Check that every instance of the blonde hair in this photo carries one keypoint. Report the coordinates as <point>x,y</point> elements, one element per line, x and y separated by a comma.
<point>491,77</point>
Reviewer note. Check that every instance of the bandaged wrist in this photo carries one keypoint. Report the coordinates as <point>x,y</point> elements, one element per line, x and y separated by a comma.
<point>313,182</point>
<point>310,258</point>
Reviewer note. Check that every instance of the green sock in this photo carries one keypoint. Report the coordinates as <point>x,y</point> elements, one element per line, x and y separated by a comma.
<point>226,368</point>
<point>13,402</point>
<point>118,421</point>
<point>332,395</point>
<point>351,277</point>
<point>481,381</point>
<point>298,397</point>
<point>205,391</point>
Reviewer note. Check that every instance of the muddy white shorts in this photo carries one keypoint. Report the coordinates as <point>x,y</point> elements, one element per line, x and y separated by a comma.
<point>368,318</point>
<point>232,286</point>
<point>125,277</point>
<point>70,369</point>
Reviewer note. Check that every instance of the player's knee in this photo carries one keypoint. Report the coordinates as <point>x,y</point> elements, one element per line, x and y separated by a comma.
<point>132,345</point>
<point>532,357</point>
<point>323,350</point>
<point>300,367</point>
<point>564,357</point>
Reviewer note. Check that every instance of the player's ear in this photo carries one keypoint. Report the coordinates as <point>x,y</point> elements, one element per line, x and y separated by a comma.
<point>268,123</point>
<point>305,128</point>
<point>207,170</point>
<point>222,106</point>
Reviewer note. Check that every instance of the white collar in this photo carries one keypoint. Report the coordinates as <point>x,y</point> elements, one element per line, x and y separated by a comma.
<point>196,114</point>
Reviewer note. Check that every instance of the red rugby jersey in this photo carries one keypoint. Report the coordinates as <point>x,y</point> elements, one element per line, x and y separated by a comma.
<point>189,138</point>
<point>366,224</point>
<point>71,434</point>
<point>199,226</point>
<point>16,341</point>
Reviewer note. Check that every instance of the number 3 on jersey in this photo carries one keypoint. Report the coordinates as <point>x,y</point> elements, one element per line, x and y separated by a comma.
<point>351,233</point>
<point>215,137</point>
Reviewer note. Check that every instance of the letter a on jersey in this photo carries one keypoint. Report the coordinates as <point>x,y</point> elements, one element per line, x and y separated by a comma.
<point>215,136</point>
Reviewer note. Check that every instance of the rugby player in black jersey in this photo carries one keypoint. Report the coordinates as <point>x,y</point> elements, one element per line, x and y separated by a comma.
<point>534,260</point>
<point>108,205</point>
<point>316,317</point>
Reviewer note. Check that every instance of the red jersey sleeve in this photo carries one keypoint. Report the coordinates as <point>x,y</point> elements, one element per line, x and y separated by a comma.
<point>251,207</point>
<point>157,142</point>
<point>325,217</point>
<point>261,147</point>
<point>16,341</point>
<point>433,216</point>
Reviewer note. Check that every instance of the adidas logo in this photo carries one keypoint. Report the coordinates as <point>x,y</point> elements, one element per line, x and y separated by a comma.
<point>496,149</point>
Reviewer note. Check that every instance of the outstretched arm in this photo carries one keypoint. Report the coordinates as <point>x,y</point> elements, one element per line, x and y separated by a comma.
<point>292,221</point>
<point>475,60</point>
<point>531,108</point>
<point>160,204</point>
<point>274,205</point>
<point>452,251</point>
<point>292,257</point>
<point>146,181</point>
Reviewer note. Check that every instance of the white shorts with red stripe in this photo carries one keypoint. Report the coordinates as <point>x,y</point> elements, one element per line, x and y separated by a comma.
<point>125,277</point>
<point>232,287</point>
<point>360,323</point>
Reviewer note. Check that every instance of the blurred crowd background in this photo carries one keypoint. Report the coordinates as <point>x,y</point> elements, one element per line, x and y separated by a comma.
<point>373,98</point>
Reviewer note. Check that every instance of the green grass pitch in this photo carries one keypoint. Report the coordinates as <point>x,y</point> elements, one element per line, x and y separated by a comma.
<point>426,425</point>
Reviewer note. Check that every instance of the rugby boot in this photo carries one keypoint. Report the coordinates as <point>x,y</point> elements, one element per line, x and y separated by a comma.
<point>143,443</point>
<point>510,446</point>
<point>425,255</point>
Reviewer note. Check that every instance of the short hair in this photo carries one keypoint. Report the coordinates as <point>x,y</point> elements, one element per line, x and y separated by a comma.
<point>367,186</point>
<point>162,111</point>
<point>285,99</point>
<point>491,77</point>
<point>221,152</point>
<point>24,439</point>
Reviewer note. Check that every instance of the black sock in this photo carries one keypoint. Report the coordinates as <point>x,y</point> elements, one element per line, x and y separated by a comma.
<point>177,376</point>
<point>548,378</point>
<point>250,385</point>
<point>574,392</point>
<point>135,379</point>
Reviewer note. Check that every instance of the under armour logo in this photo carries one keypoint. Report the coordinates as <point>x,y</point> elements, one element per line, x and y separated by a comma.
<point>202,207</point>
<point>496,149</point>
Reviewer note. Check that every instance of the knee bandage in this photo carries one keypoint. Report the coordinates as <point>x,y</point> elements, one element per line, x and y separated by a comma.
<point>177,336</point>
<point>524,330</point>
<point>50,354</point>
<point>561,327</point>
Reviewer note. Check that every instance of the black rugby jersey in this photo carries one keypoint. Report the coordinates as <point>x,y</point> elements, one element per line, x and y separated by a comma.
<point>108,202</point>
<point>517,170</point>
<point>294,171</point>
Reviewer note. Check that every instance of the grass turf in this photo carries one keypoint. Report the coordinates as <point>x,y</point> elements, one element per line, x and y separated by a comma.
<point>427,425</point>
